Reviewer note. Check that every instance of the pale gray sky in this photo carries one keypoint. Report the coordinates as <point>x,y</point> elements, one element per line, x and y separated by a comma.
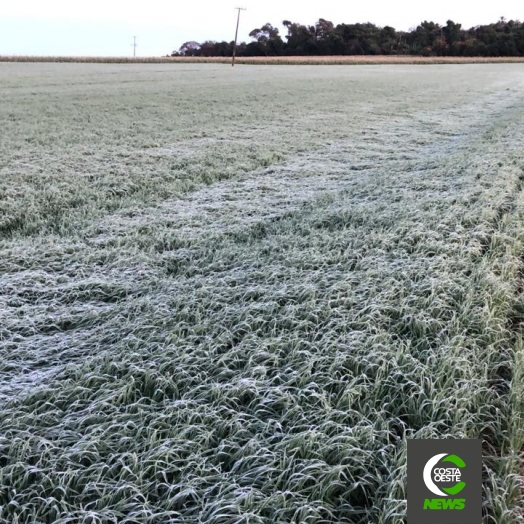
<point>106,27</point>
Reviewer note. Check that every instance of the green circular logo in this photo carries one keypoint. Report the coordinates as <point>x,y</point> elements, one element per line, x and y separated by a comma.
<point>436,475</point>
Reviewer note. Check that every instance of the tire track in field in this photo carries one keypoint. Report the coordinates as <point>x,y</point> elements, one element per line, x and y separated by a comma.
<point>229,207</point>
<point>265,194</point>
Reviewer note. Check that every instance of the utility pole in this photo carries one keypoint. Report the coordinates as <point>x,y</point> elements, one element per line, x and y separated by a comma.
<point>236,34</point>
<point>134,47</point>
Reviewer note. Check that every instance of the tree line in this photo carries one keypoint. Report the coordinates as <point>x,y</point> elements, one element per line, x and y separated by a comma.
<point>503,38</point>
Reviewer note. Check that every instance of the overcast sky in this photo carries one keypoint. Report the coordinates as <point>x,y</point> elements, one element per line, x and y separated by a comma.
<point>106,27</point>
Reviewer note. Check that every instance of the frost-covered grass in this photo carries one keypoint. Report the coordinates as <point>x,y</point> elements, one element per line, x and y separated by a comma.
<point>229,296</point>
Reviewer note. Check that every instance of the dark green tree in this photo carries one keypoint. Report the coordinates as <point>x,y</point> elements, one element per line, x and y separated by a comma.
<point>269,40</point>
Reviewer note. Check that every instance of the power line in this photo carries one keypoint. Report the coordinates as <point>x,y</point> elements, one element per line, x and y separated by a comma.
<point>236,34</point>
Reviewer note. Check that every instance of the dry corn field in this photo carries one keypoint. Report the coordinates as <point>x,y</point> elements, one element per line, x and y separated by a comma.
<point>230,295</point>
<point>274,60</point>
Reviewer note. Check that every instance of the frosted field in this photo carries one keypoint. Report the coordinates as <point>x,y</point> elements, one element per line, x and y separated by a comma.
<point>229,296</point>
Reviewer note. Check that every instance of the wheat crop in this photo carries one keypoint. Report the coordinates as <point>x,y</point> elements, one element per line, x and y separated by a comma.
<point>231,296</point>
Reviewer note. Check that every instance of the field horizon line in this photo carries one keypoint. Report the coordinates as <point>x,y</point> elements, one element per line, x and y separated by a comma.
<point>271,60</point>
